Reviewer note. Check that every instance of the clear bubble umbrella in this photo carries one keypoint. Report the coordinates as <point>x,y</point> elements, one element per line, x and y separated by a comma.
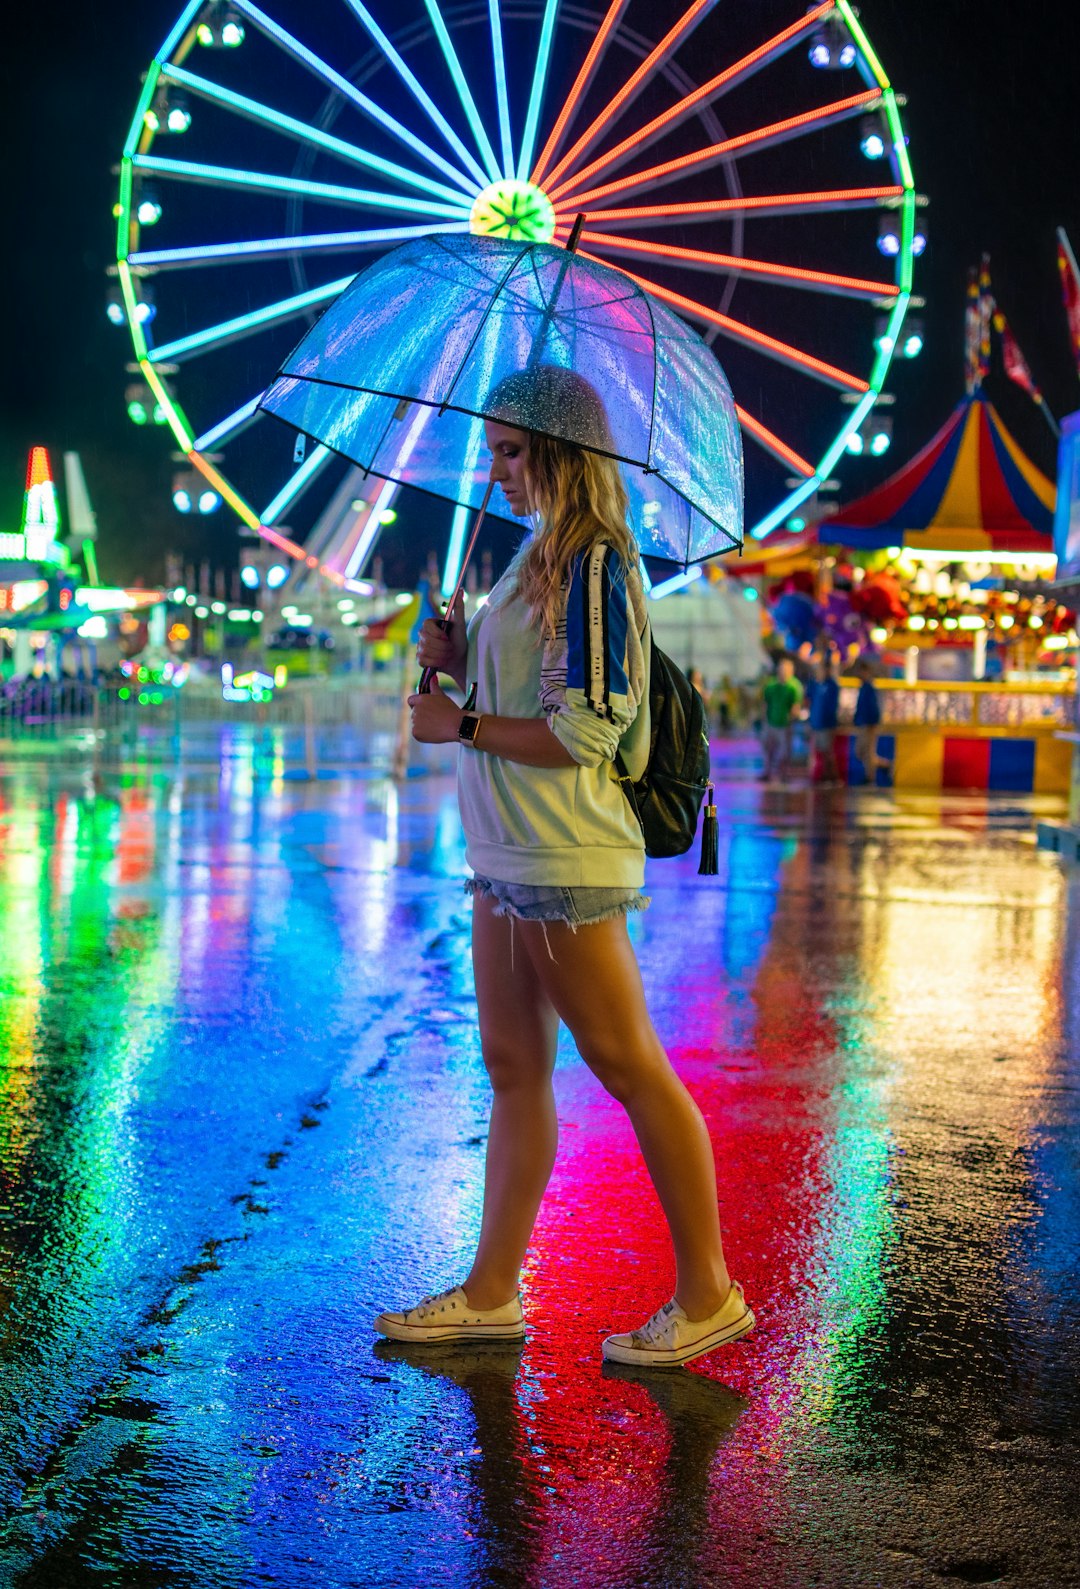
<point>401,370</point>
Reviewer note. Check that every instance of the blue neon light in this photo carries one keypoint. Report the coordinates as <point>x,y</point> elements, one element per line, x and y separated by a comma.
<point>536,96</point>
<point>500,88</point>
<point>464,93</point>
<point>667,587</point>
<point>284,309</point>
<point>228,176</point>
<point>293,487</point>
<point>229,426</point>
<point>268,247</point>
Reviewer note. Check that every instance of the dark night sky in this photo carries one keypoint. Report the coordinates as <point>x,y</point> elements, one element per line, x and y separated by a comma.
<point>991,109</point>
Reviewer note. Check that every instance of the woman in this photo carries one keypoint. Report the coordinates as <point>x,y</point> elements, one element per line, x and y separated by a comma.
<point>560,657</point>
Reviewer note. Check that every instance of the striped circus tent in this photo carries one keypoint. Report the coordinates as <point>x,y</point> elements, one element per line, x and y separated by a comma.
<point>971,489</point>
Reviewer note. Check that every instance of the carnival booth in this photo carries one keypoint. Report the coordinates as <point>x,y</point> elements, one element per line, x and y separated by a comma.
<point>982,649</point>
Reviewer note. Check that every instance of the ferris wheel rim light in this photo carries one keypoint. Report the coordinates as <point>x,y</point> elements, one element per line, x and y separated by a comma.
<point>713,89</point>
<point>759,138</point>
<point>366,105</point>
<point>303,132</point>
<point>793,275</point>
<point>232,176</point>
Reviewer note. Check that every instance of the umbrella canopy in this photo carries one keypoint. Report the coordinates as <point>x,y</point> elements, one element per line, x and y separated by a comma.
<point>398,371</point>
<point>969,490</point>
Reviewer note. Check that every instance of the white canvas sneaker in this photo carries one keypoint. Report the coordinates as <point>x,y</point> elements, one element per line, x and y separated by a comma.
<point>670,1338</point>
<point>448,1317</point>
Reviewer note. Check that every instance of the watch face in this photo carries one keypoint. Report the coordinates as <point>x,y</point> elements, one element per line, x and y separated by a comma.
<point>467,728</point>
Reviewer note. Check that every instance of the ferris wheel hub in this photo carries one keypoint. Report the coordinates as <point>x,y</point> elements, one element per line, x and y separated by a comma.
<point>515,209</point>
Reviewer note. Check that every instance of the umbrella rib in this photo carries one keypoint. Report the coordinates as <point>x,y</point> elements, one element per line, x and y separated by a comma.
<point>589,67</point>
<point>488,307</point>
<point>767,204</point>
<point>464,93</point>
<point>714,89</point>
<point>761,138</point>
<point>633,85</point>
<point>352,153</point>
<point>246,324</point>
<point>740,265</point>
<point>367,106</point>
<point>265,181</point>
<point>419,93</point>
<point>275,247</point>
<point>771,347</point>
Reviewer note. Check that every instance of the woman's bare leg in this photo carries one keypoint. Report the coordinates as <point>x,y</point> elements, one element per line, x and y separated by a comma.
<point>518,1033</point>
<point>592,979</point>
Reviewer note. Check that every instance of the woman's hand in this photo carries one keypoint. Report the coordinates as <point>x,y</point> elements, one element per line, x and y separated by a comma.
<point>435,717</point>
<point>445,650</point>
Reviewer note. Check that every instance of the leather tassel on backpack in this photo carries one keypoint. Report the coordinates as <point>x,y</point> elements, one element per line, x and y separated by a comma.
<point>710,838</point>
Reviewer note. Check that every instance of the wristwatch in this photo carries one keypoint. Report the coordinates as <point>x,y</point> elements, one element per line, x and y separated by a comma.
<point>469,727</point>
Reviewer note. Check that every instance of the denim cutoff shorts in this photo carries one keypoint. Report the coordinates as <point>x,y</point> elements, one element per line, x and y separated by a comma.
<point>577,907</point>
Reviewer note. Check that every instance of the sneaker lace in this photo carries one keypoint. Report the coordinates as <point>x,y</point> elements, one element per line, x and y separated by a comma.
<point>427,1305</point>
<point>654,1331</point>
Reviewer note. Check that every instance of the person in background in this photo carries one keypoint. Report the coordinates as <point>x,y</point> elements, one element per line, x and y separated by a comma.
<point>866,720</point>
<point>824,718</point>
<point>781,702</point>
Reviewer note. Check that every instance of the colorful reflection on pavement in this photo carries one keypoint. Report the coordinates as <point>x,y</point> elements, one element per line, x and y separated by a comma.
<point>242,1107</point>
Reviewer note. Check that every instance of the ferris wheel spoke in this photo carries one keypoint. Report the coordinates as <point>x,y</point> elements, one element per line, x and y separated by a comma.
<point>501,95</point>
<point>230,426</point>
<point>354,96</point>
<point>246,324</point>
<point>352,154</point>
<point>267,182</point>
<point>746,143</point>
<point>464,93</point>
<point>284,247</point>
<point>739,331</point>
<point>714,89</point>
<point>762,205</point>
<point>419,93</point>
<point>536,93</point>
<point>633,86</point>
<point>772,443</point>
<point>355,563</point>
<point>297,482</point>
<point>581,82</point>
<point>741,265</point>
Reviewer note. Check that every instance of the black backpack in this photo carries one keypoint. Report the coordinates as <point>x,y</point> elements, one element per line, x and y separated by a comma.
<point>667,797</point>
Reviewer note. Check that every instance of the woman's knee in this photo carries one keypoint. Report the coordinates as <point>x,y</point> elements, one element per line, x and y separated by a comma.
<point>622,1069</point>
<point>514,1064</point>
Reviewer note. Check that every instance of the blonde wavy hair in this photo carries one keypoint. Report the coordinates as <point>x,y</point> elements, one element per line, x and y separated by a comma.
<point>577,496</point>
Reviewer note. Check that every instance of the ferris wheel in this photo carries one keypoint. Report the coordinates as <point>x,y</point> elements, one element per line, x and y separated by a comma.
<point>271,157</point>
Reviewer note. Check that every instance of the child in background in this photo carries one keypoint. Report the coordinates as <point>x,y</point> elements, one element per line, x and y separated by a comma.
<point>866,720</point>
<point>781,701</point>
<point>824,718</point>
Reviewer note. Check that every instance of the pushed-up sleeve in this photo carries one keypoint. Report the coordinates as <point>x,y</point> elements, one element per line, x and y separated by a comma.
<point>593,672</point>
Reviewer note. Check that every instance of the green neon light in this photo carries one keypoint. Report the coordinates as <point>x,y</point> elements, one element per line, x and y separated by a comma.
<point>419,93</point>
<point>174,414</point>
<point>513,209</point>
<point>896,133</point>
<point>127,292</point>
<point>863,42</point>
<point>352,153</point>
<point>123,209</point>
<point>889,340</point>
<point>500,87</point>
<point>468,104</point>
<point>226,330</point>
<point>368,106</point>
<point>907,239</point>
<point>137,128</point>
<point>262,181</point>
<point>536,96</point>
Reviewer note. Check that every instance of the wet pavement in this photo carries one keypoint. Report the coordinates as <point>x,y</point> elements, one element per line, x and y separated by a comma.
<point>242,1108</point>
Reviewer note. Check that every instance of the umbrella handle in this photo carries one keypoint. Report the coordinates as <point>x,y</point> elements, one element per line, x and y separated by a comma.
<point>424,687</point>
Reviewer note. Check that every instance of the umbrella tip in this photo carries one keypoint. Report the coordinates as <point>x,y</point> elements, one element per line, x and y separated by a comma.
<point>575,234</point>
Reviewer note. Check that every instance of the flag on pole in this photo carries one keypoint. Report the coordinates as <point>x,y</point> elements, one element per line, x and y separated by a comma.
<point>972,374</point>
<point>986,314</point>
<point>1018,369</point>
<point>1070,290</point>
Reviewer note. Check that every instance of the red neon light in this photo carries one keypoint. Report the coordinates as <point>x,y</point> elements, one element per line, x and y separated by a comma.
<point>708,90</point>
<point>839,197</point>
<point>716,151</point>
<point>38,469</point>
<point>611,110</point>
<point>772,443</point>
<point>742,332</point>
<point>615,11</point>
<point>737,265</point>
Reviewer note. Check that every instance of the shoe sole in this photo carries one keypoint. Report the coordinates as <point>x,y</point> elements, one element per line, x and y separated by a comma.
<point>449,1332</point>
<point>642,1357</point>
